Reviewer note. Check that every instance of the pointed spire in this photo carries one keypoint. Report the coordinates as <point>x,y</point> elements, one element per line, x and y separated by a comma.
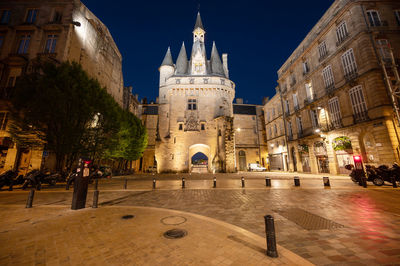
<point>182,61</point>
<point>198,24</point>
<point>167,59</point>
<point>215,61</point>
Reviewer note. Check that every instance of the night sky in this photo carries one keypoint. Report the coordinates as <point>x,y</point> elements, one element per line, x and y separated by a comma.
<point>258,36</point>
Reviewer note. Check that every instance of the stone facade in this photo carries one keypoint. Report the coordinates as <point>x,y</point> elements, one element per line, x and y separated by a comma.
<point>333,90</point>
<point>195,115</point>
<point>57,31</point>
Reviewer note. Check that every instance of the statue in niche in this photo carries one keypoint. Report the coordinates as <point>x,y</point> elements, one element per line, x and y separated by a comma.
<point>192,124</point>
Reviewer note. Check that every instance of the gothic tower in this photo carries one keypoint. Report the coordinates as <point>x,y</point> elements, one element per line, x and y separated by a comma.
<point>195,110</point>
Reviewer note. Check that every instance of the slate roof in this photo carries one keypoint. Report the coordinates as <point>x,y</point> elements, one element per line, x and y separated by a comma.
<point>198,24</point>
<point>168,59</point>
<point>239,109</point>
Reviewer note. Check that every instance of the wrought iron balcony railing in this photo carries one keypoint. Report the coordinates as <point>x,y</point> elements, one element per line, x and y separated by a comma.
<point>310,99</point>
<point>351,75</point>
<point>330,88</point>
<point>360,117</point>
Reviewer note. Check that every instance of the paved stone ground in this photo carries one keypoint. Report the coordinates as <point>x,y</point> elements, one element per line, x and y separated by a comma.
<point>346,224</point>
<point>59,236</point>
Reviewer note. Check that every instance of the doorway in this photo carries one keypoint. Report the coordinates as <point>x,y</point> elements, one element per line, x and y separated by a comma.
<point>242,161</point>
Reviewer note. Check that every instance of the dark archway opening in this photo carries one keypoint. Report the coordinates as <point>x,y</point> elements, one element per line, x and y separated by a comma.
<point>199,163</point>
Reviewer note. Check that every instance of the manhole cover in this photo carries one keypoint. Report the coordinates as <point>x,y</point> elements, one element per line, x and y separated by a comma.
<point>175,233</point>
<point>308,220</point>
<point>173,220</point>
<point>128,216</point>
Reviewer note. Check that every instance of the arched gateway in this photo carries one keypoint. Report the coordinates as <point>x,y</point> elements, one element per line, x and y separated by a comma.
<point>199,155</point>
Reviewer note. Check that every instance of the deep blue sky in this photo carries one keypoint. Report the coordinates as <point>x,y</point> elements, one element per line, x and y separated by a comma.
<point>258,35</point>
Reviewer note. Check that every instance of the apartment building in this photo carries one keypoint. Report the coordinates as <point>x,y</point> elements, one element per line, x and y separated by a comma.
<point>42,30</point>
<point>335,89</point>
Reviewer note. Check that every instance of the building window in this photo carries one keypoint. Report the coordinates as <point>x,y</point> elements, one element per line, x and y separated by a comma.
<point>373,18</point>
<point>323,52</point>
<point>397,15</point>
<point>309,91</point>
<point>268,116</point>
<point>31,15</point>
<point>203,127</point>
<point>57,17</point>
<point>295,101</point>
<point>314,118</point>
<point>384,49</point>
<point>4,16</point>
<point>23,44</point>
<point>270,132</point>
<point>275,130</point>
<point>205,81</point>
<point>341,32</point>
<point>327,74</point>
<point>222,82</point>
<point>3,120</point>
<point>192,104</point>
<point>358,103</point>
<point>273,112</point>
<point>178,81</point>
<point>287,108</point>
<point>1,41</point>
<point>180,126</point>
<point>349,63</point>
<point>51,43</point>
<point>334,111</point>
<point>290,131</point>
<point>299,125</point>
<point>306,67</point>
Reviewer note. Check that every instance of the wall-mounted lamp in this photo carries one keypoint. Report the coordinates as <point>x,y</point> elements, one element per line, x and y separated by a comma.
<point>76,23</point>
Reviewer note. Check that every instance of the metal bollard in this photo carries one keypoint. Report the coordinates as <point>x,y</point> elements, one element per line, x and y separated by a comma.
<point>267,182</point>
<point>30,199</point>
<point>96,184</point>
<point>215,183</point>
<point>270,234</point>
<point>327,183</point>
<point>242,181</point>
<point>296,181</point>
<point>95,198</point>
<point>126,183</point>
<point>393,180</point>
<point>154,183</point>
<point>183,182</point>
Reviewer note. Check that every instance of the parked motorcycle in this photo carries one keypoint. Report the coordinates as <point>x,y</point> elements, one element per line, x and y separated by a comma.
<point>36,178</point>
<point>376,175</point>
<point>7,179</point>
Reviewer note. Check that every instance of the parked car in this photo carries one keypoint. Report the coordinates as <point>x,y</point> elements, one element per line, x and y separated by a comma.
<point>256,167</point>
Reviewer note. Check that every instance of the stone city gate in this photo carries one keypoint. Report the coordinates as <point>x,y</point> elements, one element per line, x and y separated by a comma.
<point>199,148</point>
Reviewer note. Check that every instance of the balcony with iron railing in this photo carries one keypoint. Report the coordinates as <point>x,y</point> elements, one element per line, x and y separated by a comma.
<point>335,124</point>
<point>296,108</point>
<point>323,56</point>
<point>310,99</point>
<point>351,75</point>
<point>330,88</point>
<point>379,23</point>
<point>293,82</point>
<point>360,117</point>
<point>305,132</point>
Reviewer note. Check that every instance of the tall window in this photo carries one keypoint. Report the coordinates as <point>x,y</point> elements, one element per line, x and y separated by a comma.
<point>373,18</point>
<point>57,17</point>
<point>192,104</point>
<point>295,101</point>
<point>334,111</point>
<point>306,67</point>
<point>275,130</point>
<point>327,74</point>
<point>349,62</point>
<point>299,125</point>
<point>3,120</point>
<point>290,131</point>
<point>1,41</point>
<point>322,50</point>
<point>4,16</point>
<point>287,109</point>
<point>358,103</point>
<point>23,44</point>
<point>270,132</point>
<point>384,49</point>
<point>31,15</point>
<point>309,91</point>
<point>314,118</point>
<point>268,119</point>
<point>51,43</point>
<point>341,32</point>
<point>273,112</point>
<point>397,15</point>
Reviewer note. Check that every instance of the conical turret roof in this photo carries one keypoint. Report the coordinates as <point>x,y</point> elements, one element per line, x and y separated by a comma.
<point>215,61</point>
<point>182,61</point>
<point>168,59</point>
<point>198,24</point>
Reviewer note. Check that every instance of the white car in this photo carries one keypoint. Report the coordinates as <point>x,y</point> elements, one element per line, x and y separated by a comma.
<point>256,167</point>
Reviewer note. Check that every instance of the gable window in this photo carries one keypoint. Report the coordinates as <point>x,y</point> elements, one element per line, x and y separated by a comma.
<point>373,18</point>
<point>23,44</point>
<point>51,43</point>
<point>341,32</point>
<point>4,16</point>
<point>31,15</point>
<point>349,64</point>
<point>323,52</point>
<point>358,104</point>
<point>3,120</point>
<point>397,15</point>
<point>192,104</point>
<point>327,75</point>
<point>334,111</point>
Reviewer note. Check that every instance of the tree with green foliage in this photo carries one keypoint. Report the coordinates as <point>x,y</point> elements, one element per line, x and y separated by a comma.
<point>61,107</point>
